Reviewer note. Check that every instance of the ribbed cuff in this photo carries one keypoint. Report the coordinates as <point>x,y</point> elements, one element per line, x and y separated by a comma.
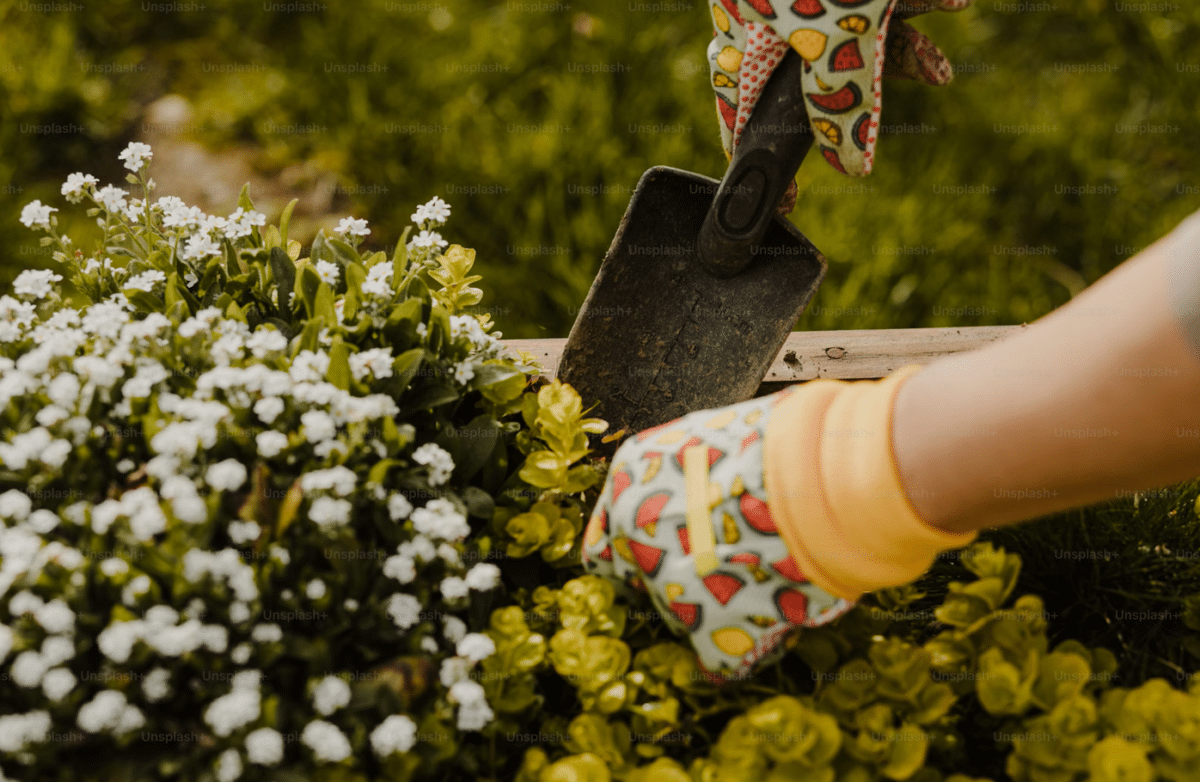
<point>835,491</point>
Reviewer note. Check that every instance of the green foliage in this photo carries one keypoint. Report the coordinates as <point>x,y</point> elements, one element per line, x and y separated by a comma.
<point>884,709</point>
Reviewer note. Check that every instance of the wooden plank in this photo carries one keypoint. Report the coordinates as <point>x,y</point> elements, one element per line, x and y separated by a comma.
<point>863,354</point>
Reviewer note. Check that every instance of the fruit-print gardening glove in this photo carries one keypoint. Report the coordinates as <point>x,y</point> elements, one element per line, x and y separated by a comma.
<point>848,47</point>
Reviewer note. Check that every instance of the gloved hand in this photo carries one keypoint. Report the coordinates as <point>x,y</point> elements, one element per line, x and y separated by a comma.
<point>848,47</point>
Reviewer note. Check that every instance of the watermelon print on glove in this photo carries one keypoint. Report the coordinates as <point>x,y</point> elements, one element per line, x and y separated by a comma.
<point>848,47</point>
<point>740,609</point>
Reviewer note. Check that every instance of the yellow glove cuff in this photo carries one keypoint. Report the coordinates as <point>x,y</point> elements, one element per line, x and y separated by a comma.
<point>835,492</point>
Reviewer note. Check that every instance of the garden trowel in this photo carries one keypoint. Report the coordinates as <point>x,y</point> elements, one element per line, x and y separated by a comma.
<point>703,281</point>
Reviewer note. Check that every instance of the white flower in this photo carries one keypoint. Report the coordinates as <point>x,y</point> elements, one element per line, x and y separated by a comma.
<point>330,512</point>
<point>439,519</point>
<point>234,710</point>
<point>270,443</point>
<point>429,239</point>
<point>116,641</point>
<point>268,408</point>
<point>64,389</point>
<point>315,590</point>
<point>475,647</point>
<point>464,372</point>
<point>473,711</point>
<point>36,213</point>
<point>350,604</point>
<point>37,283</point>
<point>453,587</point>
<point>454,629</point>
<point>318,426</point>
<point>113,567</point>
<point>328,272</point>
<point>401,568</point>
<point>15,504</point>
<point>28,668</point>
<point>200,246</point>
<point>399,507</point>
<point>242,532</point>
<point>309,367</point>
<point>157,685</point>
<point>483,576</point>
<point>376,362</point>
<point>379,279</point>
<point>241,653</point>
<point>449,555</point>
<point>397,733</point>
<point>228,475</point>
<point>135,155</point>
<point>267,633</point>
<point>280,554</point>
<point>264,746</point>
<point>57,683</point>
<point>109,711</point>
<point>55,617</point>
<point>229,766</point>
<point>429,644</point>
<point>134,589</point>
<point>74,187</point>
<point>342,480</point>
<point>19,730</point>
<point>353,227</point>
<point>266,341</point>
<point>146,280</point>
<point>330,694</point>
<point>440,464</point>
<point>420,548</point>
<point>326,741</point>
<point>241,223</point>
<point>111,198</point>
<point>405,610</point>
<point>435,210</point>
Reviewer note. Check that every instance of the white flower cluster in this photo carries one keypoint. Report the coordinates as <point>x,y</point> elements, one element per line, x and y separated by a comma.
<point>186,410</point>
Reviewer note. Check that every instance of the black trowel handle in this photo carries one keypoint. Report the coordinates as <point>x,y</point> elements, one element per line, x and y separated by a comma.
<point>765,161</point>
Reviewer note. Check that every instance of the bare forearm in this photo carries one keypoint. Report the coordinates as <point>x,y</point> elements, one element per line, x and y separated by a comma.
<point>1101,396</point>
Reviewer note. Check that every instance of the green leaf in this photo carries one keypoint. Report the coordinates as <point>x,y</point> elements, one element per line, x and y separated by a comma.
<point>479,503</point>
<point>380,469</point>
<point>284,271</point>
<point>356,275</point>
<point>429,396</point>
<point>244,198</point>
<point>439,329</point>
<point>309,337</point>
<point>144,301</point>
<point>404,369</point>
<point>285,220</point>
<point>339,365</point>
<point>323,305</point>
<point>272,239</point>
<point>321,251</point>
<point>307,285</point>
<point>400,259</point>
<point>344,252</point>
<point>401,325</point>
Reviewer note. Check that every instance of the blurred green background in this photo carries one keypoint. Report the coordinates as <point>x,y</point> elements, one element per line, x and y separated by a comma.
<point>369,108</point>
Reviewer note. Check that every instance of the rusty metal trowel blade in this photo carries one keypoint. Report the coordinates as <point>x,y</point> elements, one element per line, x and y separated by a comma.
<point>658,336</point>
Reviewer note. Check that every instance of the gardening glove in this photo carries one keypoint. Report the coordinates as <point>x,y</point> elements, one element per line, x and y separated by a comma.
<point>847,46</point>
<point>722,576</point>
<point>747,522</point>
